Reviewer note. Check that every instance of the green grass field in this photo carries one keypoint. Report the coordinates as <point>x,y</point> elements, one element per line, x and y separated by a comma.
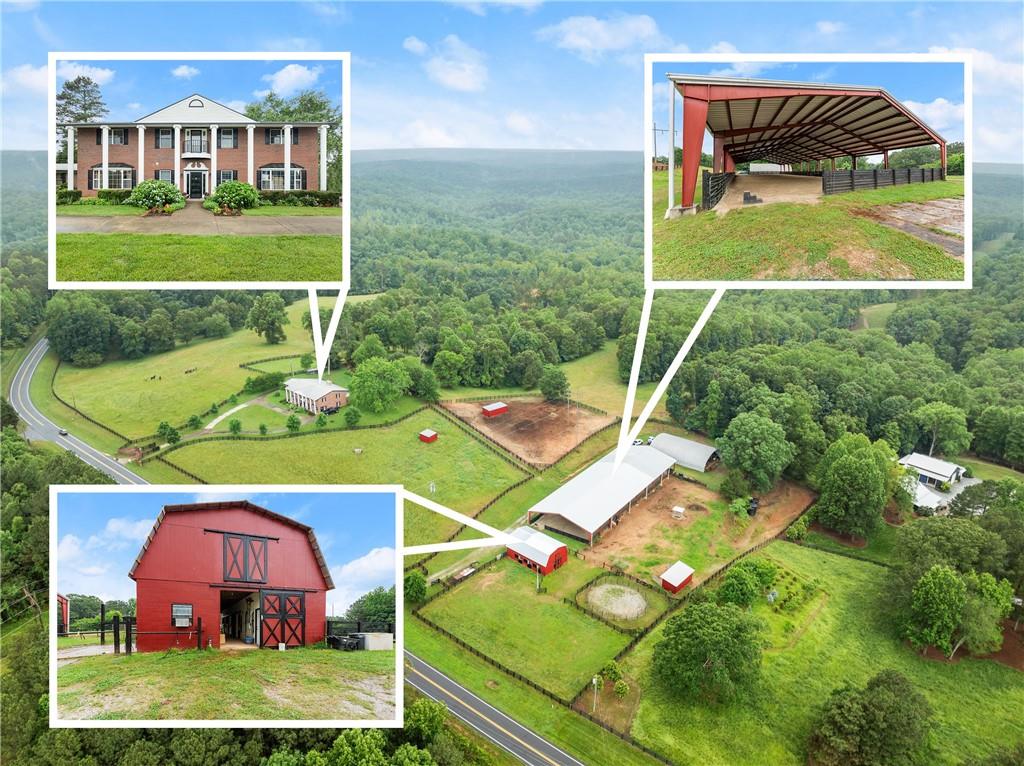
<point>99,210</point>
<point>499,612</point>
<point>279,210</point>
<point>986,471</point>
<point>594,379</point>
<point>251,417</point>
<point>120,394</point>
<point>466,473</point>
<point>977,702</point>
<point>874,317</point>
<point>800,241</point>
<point>301,683</point>
<point>195,258</point>
<point>879,547</point>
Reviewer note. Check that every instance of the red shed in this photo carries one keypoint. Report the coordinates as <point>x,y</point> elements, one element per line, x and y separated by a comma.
<point>676,577</point>
<point>493,409</point>
<point>428,435</point>
<point>62,613</point>
<point>252,575</point>
<point>536,550</point>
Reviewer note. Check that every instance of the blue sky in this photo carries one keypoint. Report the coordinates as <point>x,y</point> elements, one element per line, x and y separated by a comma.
<point>521,73</point>
<point>132,89</point>
<point>933,91</point>
<point>100,534</point>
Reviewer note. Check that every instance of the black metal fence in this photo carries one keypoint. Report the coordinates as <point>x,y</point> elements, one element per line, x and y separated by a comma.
<point>713,186</point>
<point>341,627</point>
<point>121,633</point>
<point>839,181</point>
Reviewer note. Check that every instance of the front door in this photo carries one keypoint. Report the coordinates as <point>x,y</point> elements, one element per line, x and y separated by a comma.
<point>283,617</point>
<point>195,185</point>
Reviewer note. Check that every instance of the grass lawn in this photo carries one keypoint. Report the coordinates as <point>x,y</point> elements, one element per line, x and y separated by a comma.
<point>977,703</point>
<point>87,639</point>
<point>9,630</point>
<point>466,473</point>
<point>99,210</point>
<point>585,740</point>
<point>251,416</point>
<point>278,210</point>
<point>594,380</point>
<point>121,394</point>
<point>800,241</point>
<point>874,317</point>
<point>301,683</point>
<point>290,365</point>
<point>986,471</point>
<point>879,548</point>
<point>537,635</point>
<point>194,258</point>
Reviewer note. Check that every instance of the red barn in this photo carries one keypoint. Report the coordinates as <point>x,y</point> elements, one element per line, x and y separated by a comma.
<point>252,575</point>
<point>536,550</point>
<point>676,577</point>
<point>62,613</point>
<point>493,409</point>
<point>428,435</point>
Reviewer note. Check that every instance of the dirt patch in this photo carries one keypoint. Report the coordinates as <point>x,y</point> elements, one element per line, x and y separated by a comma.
<point>617,712</point>
<point>778,509</point>
<point>617,601</point>
<point>1011,654</point>
<point>360,697</point>
<point>939,221</point>
<point>770,188</point>
<point>537,431</point>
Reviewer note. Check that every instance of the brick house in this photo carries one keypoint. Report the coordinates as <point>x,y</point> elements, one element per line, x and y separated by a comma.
<point>315,396</point>
<point>197,144</point>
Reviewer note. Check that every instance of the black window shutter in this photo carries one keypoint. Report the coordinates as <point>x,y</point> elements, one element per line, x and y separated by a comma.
<point>234,138</point>
<point>234,175</point>
<point>156,138</point>
<point>302,176</point>
<point>295,135</point>
<point>266,135</point>
<point>156,175</point>
<point>125,132</point>
<point>99,136</point>
<point>89,174</point>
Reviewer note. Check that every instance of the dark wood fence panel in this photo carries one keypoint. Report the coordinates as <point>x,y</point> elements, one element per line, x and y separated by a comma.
<point>713,186</point>
<point>839,181</point>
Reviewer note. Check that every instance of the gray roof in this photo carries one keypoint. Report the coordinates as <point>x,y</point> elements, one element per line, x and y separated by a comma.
<point>312,387</point>
<point>686,452</point>
<point>597,493</point>
<point>940,470</point>
<point>534,545</point>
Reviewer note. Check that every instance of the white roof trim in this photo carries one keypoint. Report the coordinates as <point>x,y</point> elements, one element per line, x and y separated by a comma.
<point>687,452</point>
<point>311,387</point>
<point>676,574</point>
<point>210,112</point>
<point>494,406</point>
<point>931,466</point>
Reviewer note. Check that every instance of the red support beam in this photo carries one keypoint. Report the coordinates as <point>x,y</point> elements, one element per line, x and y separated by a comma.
<point>730,163</point>
<point>718,166</point>
<point>942,157</point>
<point>695,116</point>
<point>885,159</point>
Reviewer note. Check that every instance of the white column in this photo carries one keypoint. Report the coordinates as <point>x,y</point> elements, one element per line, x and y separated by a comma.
<point>140,173</point>
<point>71,158</point>
<point>176,149</point>
<point>105,131</point>
<point>250,170</point>
<point>671,145</point>
<point>213,158</point>
<point>287,157</point>
<point>323,158</point>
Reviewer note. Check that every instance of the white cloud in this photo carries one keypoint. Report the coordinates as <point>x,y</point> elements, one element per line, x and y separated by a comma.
<point>521,124</point>
<point>327,9</point>
<point>737,68</point>
<point>939,114</point>
<point>25,77</point>
<point>119,534</point>
<point>457,66</point>
<point>591,38</point>
<point>292,78</point>
<point>829,27</point>
<point>134,106</point>
<point>479,8</point>
<point>68,549</point>
<point>415,45</point>
<point>261,93</point>
<point>359,576</point>
<point>184,72</point>
<point>991,75</point>
<point>69,70</point>
<point>237,104</point>
<point>293,43</point>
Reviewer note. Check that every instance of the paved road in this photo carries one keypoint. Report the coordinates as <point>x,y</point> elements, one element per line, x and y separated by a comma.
<point>486,720</point>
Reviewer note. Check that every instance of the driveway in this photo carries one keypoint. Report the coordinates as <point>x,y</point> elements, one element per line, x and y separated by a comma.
<point>69,654</point>
<point>193,219</point>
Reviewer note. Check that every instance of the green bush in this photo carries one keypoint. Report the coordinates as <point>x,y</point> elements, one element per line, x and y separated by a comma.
<point>264,381</point>
<point>155,194</point>
<point>92,201</point>
<point>302,197</point>
<point>209,204</point>
<point>798,529</point>
<point>236,195</point>
<point>114,196</point>
<point>68,196</point>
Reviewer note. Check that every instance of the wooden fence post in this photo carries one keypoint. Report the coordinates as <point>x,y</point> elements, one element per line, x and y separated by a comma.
<point>103,630</point>
<point>117,634</point>
<point>199,633</point>
<point>128,635</point>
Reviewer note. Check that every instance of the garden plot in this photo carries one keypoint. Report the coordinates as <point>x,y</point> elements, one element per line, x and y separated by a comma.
<point>537,431</point>
<point>649,538</point>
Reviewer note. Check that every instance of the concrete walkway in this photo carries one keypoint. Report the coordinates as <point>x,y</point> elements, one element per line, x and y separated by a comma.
<point>69,654</point>
<point>939,221</point>
<point>193,219</point>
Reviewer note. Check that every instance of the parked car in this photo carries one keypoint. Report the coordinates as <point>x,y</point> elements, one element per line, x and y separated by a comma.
<point>650,440</point>
<point>752,506</point>
<point>638,442</point>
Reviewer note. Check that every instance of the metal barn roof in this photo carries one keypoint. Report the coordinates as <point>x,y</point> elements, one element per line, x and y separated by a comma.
<point>788,122</point>
<point>312,387</point>
<point>597,493</point>
<point>687,452</point>
<point>676,574</point>
<point>534,545</point>
<point>494,406</point>
<point>941,470</point>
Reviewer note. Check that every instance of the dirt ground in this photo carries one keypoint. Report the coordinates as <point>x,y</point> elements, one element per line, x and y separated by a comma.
<point>1011,654</point>
<point>641,525</point>
<point>939,221</point>
<point>770,188</point>
<point>537,431</point>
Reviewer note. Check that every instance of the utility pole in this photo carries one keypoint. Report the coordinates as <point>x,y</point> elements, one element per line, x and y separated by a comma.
<point>596,681</point>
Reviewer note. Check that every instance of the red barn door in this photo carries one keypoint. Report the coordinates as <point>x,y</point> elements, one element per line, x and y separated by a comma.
<point>283,615</point>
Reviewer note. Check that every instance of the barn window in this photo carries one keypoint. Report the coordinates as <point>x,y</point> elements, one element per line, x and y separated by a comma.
<point>181,615</point>
<point>245,558</point>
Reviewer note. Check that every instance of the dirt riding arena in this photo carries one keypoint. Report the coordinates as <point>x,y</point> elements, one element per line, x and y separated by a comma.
<point>537,431</point>
<point>651,521</point>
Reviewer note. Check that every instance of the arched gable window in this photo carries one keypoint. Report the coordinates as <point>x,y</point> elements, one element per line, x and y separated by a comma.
<point>196,102</point>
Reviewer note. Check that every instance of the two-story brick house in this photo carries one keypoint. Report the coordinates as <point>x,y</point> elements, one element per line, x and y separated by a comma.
<point>197,144</point>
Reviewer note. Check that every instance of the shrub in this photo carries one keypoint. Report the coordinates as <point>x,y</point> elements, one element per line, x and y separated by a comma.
<point>798,529</point>
<point>735,485</point>
<point>155,194</point>
<point>263,429</point>
<point>740,586</point>
<point>621,688</point>
<point>352,416</point>
<point>763,570</point>
<point>293,423</point>
<point>68,196</point>
<point>114,196</point>
<point>209,204</point>
<point>236,195</point>
<point>235,426</point>
<point>302,197</point>
<point>265,381</point>
<point>321,420</point>
<point>195,422</point>
<point>90,201</point>
<point>612,671</point>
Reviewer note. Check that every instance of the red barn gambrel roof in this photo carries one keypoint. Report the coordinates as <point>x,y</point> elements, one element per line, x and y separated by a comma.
<point>237,505</point>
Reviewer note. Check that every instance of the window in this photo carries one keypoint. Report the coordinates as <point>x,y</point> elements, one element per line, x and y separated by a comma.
<point>164,138</point>
<point>181,615</point>
<point>119,178</point>
<point>116,136</point>
<point>245,558</point>
<point>227,138</point>
<point>165,175</point>
<point>196,102</point>
<point>226,175</point>
<point>272,179</point>
<point>275,135</point>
